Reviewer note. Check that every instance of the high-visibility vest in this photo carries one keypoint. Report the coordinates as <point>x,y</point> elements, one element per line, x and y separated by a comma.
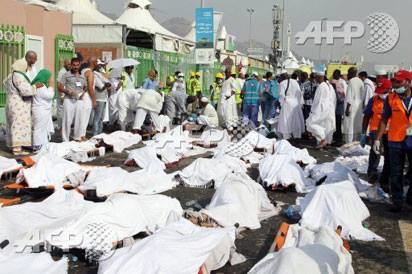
<point>238,91</point>
<point>169,85</point>
<point>189,87</point>
<point>377,108</point>
<point>196,87</point>
<point>216,93</point>
<point>400,121</point>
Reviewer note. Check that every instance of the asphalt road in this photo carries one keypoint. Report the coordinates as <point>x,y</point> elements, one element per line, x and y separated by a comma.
<point>391,256</point>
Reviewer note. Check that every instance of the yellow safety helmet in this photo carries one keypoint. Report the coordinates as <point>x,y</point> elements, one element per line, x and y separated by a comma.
<point>219,75</point>
<point>197,74</point>
<point>193,74</point>
<point>233,71</point>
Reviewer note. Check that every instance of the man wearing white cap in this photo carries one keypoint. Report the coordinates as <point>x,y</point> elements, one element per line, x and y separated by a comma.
<point>322,121</point>
<point>208,116</point>
<point>291,122</point>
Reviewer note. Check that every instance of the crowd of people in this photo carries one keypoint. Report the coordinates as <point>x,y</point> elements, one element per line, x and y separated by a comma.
<point>344,109</point>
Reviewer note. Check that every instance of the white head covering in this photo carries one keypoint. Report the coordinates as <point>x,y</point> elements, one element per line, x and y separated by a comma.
<point>20,65</point>
<point>320,73</point>
<point>255,74</point>
<point>204,100</point>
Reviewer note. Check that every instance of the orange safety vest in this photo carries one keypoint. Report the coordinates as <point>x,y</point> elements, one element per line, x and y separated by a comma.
<point>399,120</point>
<point>377,108</point>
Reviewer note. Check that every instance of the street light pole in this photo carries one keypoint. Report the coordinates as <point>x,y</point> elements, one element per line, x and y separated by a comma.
<point>251,11</point>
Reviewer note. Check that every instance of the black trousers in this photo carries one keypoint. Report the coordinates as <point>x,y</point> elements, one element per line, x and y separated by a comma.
<point>397,166</point>
<point>337,136</point>
<point>374,160</point>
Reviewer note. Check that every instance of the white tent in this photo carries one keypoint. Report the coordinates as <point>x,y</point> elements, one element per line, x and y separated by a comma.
<point>90,26</point>
<point>84,12</point>
<point>138,17</point>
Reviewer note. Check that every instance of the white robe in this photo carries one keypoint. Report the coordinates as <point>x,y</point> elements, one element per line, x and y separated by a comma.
<point>322,122</point>
<point>209,117</point>
<point>32,73</point>
<point>352,124</point>
<point>291,120</point>
<point>42,116</point>
<point>369,91</point>
<point>226,108</point>
<point>126,105</point>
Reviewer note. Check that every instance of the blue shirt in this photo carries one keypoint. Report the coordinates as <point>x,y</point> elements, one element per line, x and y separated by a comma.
<point>273,88</point>
<point>251,92</point>
<point>387,113</point>
<point>150,84</point>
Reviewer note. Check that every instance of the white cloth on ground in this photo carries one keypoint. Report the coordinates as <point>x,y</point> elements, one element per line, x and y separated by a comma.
<point>33,263</point>
<point>354,149</point>
<point>146,158</point>
<point>107,181</point>
<point>283,147</point>
<point>119,140</point>
<point>150,100</point>
<point>202,171</point>
<point>42,116</point>
<point>314,251</point>
<point>322,120</point>
<point>283,170</point>
<point>240,200</point>
<point>7,165</point>
<point>49,170</point>
<point>214,136</point>
<point>180,248</point>
<point>209,117</point>
<point>291,121</point>
<point>74,151</point>
<point>336,204</point>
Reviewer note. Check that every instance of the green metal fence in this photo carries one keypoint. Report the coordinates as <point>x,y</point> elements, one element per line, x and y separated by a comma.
<point>165,63</point>
<point>64,49</point>
<point>12,47</point>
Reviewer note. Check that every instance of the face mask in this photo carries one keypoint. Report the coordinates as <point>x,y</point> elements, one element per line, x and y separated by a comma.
<point>400,90</point>
<point>383,96</point>
<point>220,81</point>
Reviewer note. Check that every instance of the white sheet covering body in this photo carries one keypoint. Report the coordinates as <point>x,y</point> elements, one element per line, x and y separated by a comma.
<point>240,200</point>
<point>120,140</point>
<point>283,170</point>
<point>314,251</point>
<point>33,263</point>
<point>7,165</point>
<point>202,171</point>
<point>74,151</point>
<point>49,170</point>
<point>107,181</point>
<point>180,248</point>
<point>322,122</point>
<point>283,147</point>
<point>336,204</point>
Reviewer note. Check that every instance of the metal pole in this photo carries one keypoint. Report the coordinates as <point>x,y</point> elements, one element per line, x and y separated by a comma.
<point>251,11</point>
<point>202,3</point>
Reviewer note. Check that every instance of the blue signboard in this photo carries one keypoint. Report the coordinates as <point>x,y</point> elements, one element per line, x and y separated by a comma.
<point>204,28</point>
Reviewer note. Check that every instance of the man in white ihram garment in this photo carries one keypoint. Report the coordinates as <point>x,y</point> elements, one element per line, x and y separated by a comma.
<point>226,108</point>
<point>208,115</point>
<point>151,102</point>
<point>322,121</point>
<point>355,95</point>
<point>126,105</point>
<point>369,87</point>
<point>291,121</point>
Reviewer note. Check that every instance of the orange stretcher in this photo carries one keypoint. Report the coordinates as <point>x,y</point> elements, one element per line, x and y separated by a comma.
<point>9,202</point>
<point>283,232</point>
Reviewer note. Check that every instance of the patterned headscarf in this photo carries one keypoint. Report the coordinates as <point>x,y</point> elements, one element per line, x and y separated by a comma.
<point>20,65</point>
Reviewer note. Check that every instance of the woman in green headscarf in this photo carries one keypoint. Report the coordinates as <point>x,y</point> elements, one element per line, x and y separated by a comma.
<point>19,92</point>
<point>42,110</point>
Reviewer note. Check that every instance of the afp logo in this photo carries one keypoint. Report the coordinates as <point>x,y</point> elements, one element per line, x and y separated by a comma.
<point>383,32</point>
